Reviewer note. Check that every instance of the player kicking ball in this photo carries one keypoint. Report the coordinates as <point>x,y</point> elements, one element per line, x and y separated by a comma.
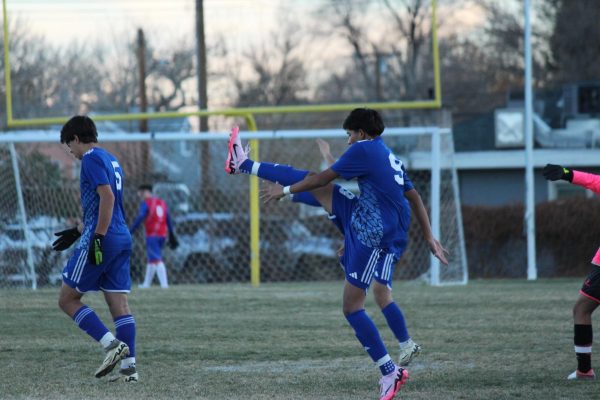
<point>101,259</point>
<point>375,225</point>
<point>589,294</point>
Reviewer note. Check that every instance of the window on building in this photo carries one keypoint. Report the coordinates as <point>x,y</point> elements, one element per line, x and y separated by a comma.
<point>563,190</point>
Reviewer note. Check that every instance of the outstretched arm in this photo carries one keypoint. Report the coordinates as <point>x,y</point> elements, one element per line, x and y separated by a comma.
<point>310,182</point>
<point>588,181</point>
<point>418,209</point>
<point>553,172</point>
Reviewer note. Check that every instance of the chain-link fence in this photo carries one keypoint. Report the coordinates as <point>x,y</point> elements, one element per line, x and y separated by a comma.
<point>210,209</point>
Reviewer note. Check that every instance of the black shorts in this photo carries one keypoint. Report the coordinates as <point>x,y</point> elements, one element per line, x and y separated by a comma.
<point>591,285</point>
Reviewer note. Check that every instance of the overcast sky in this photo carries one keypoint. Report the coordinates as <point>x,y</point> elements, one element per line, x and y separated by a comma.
<point>62,21</point>
<point>243,21</point>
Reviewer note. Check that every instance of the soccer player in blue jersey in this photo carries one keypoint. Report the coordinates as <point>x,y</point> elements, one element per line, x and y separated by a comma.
<point>157,223</point>
<point>101,258</point>
<point>375,225</point>
<point>408,348</point>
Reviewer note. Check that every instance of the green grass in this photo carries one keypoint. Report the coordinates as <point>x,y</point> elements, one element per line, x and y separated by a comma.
<point>486,340</point>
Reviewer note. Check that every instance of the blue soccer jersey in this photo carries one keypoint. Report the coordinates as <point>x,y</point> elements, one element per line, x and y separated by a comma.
<point>381,217</point>
<point>99,167</point>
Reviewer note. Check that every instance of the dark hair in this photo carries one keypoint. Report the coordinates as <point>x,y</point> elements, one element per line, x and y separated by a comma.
<point>81,126</point>
<point>366,119</point>
<point>145,186</point>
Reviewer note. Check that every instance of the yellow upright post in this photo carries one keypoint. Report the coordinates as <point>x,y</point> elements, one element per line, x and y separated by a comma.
<point>254,211</point>
<point>9,113</point>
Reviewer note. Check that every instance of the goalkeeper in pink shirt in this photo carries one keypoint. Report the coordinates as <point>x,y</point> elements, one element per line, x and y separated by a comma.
<point>589,295</point>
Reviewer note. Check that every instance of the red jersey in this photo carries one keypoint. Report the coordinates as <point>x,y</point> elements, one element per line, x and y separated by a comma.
<point>156,219</point>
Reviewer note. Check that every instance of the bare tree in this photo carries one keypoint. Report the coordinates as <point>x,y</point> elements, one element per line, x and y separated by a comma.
<point>270,75</point>
<point>384,66</point>
<point>76,79</point>
<point>277,75</point>
<point>118,82</point>
<point>167,76</point>
<point>575,50</point>
<point>480,69</point>
<point>32,63</point>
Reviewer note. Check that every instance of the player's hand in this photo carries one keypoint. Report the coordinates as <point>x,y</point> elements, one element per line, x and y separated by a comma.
<point>325,151</point>
<point>554,172</point>
<point>271,192</point>
<point>173,242</point>
<point>65,239</point>
<point>438,251</point>
<point>340,251</point>
<point>323,147</point>
<point>95,249</point>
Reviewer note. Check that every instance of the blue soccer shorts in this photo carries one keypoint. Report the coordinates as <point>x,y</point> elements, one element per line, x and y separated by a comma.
<point>362,264</point>
<point>154,245</point>
<point>110,276</point>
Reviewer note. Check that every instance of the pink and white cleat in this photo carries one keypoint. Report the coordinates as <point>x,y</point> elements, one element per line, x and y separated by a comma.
<point>236,154</point>
<point>390,384</point>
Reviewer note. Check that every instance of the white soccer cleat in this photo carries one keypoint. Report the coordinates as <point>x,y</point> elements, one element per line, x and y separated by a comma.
<point>236,154</point>
<point>127,375</point>
<point>581,376</point>
<point>115,352</point>
<point>409,351</point>
<point>390,384</point>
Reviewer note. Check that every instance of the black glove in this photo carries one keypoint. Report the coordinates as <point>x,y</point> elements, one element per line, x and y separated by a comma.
<point>95,249</point>
<point>173,242</point>
<point>554,172</point>
<point>65,239</point>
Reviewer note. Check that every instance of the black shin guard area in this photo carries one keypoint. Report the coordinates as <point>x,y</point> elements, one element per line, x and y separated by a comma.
<point>583,338</point>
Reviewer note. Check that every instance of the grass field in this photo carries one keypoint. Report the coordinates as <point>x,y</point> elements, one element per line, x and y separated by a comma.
<point>487,340</point>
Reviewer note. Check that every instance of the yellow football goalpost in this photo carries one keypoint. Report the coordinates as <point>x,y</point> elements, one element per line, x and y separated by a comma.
<point>247,113</point>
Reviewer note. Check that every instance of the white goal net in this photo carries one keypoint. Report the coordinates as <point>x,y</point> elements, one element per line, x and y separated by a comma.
<point>211,210</point>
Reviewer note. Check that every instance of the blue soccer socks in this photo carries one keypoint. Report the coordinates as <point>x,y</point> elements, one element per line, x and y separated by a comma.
<point>306,198</point>
<point>395,320</point>
<point>125,328</point>
<point>89,322</point>
<point>368,336</point>
<point>280,173</point>
<point>246,166</point>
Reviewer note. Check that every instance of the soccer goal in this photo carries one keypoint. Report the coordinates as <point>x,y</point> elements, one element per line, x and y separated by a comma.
<point>211,210</point>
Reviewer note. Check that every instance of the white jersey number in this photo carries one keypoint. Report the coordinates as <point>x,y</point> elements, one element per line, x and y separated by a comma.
<point>348,194</point>
<point>118,177</point>
<point>397,166</point>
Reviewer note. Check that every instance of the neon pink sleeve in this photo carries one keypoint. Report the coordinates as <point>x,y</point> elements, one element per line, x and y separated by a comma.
<point>588,181</point>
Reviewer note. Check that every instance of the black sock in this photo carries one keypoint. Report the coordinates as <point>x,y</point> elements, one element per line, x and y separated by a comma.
<point>583,340</point>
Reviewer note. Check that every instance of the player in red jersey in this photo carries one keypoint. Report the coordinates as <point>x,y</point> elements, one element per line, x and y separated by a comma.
<point>157,222</point>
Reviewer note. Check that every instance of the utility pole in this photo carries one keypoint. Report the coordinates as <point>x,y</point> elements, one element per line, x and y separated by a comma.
<point>378,71</point>
<point>141,56</point>
<point>201,64</point>
<point>205,159</point>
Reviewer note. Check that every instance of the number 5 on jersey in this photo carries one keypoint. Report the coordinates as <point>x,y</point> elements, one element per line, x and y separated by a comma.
<point>118,177</point>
